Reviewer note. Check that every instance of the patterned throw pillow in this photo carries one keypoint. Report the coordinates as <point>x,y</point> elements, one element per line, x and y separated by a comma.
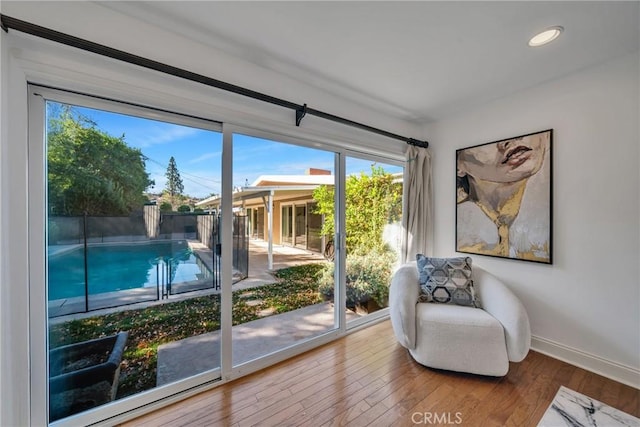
<point>446,280</point>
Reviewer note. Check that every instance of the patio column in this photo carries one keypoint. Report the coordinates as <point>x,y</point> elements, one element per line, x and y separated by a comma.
<point>270,228</point>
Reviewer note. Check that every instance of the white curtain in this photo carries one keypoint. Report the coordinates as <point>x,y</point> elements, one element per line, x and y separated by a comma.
<point>417,214</point>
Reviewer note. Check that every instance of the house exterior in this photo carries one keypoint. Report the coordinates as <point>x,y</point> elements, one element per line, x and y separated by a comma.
<point>281,208</point>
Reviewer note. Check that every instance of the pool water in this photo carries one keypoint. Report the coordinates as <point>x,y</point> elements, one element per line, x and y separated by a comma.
<point>120,267</point>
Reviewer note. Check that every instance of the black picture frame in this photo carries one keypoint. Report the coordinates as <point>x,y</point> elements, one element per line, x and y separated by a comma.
<point>504,198</point>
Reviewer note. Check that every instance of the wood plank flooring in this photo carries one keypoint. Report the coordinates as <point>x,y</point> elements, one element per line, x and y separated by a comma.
<point>367,379</point>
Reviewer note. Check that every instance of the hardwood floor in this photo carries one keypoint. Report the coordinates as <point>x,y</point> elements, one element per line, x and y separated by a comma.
<point>367,379</point>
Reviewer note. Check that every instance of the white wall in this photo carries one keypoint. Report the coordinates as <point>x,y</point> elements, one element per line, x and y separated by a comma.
<point>106,26</point>
<point>25,58</point>
<point>14,301</point>
<point>584,308</point>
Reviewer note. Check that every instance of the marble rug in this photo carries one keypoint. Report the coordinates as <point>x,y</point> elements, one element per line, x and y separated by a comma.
<point>570,408</point>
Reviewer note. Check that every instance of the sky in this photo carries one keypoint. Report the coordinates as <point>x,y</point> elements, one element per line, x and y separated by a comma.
<point>198,153</point>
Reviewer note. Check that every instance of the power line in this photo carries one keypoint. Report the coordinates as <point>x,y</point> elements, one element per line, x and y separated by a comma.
<point>184,173</point>
<point>207,186</point>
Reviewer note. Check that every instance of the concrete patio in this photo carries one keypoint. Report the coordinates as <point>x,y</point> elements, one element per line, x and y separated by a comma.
<point>181,359</point>
<point>190,356</point>
<point>283,256</point>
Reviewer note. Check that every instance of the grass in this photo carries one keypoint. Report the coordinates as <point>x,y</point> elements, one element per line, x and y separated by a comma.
<point>297,287</point>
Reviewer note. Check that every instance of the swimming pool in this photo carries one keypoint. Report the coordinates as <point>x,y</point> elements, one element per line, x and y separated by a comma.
<point>119,267</point>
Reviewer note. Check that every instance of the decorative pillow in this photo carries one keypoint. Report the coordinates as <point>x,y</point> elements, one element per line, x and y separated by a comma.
<point>446,280</point>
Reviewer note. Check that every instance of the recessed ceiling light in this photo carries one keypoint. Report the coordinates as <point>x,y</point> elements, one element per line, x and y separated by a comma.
<point>547,36</point>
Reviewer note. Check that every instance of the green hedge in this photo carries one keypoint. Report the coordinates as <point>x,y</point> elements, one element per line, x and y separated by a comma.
<point>368,277</point>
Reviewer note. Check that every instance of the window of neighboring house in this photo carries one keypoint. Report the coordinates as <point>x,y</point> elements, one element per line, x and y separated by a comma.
<point>258,215</point>
<point>314,228</point>
<point>287,224</point>
<point>303,230</point>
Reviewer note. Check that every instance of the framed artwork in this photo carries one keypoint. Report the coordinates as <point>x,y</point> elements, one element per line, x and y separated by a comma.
<point>504,198</point>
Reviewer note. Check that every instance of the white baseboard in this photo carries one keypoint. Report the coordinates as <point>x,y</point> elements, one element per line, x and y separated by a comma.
<point>613,370</point>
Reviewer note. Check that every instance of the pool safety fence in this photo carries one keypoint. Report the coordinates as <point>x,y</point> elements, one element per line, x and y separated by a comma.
<point>199,231</point>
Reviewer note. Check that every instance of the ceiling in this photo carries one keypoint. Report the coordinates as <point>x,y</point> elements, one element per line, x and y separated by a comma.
<point>418,61</point>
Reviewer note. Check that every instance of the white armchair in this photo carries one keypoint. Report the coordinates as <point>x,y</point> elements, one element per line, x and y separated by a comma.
<point>457,338</point>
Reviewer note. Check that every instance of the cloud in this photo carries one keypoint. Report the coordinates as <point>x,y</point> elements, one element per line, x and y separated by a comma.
<point>158,133</point>
<point>205,156</point>
<point>249,150</point>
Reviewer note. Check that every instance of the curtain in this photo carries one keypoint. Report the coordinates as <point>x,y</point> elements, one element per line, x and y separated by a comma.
<point>417,213</point>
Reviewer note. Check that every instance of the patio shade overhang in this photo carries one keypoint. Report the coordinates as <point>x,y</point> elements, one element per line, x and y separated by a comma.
<point>259,192</point>
<point>267,194</point>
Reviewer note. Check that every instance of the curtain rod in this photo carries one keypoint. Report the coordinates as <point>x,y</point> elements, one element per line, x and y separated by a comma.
<point>8,22</point>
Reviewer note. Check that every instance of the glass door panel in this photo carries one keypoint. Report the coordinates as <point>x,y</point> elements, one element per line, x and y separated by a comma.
<point>314,228</point>
<point>286,298</point>
<point>132,275</point>
<point>259,233</point>
<point>301,226</point>
<point>373,213</point>
<point>287,225</point>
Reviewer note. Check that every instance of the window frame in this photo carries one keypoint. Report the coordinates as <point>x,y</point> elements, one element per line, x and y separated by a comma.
<point>383,313</point>
<point>135,405</point>
<point>37,219</point>
<point>293,204</point>
<point>27,60</point>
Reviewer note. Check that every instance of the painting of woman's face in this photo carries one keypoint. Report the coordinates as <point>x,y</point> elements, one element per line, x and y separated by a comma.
<point>505,161</point>
<point>503,198</point>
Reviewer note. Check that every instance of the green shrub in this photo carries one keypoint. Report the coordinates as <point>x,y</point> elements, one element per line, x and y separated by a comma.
<point>371,203</point>
<point>368,276</point>
<point>166,207</point>
<point>184,208</point>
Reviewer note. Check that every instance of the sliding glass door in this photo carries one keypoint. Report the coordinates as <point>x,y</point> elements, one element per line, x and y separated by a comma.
<point>132,275</point>
<point>302,226</point>
<point>287,297</point>
<point>314,228</point>
<point>373,213</point>
<point>169,253</point>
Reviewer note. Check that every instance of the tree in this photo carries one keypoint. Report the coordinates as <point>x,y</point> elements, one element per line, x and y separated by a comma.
<point>174,182</point>
<point>372,201</point>
<point>91,171</point>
